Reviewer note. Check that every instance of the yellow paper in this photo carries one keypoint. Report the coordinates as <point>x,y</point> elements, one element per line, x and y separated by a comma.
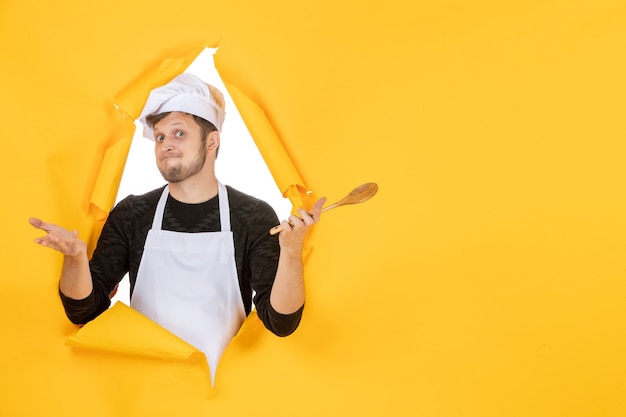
<point>122,329</point>
<point>486,278</point>
<point>283,171</point>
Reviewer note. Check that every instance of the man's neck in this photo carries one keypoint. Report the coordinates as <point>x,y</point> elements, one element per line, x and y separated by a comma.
<point>194,190</point>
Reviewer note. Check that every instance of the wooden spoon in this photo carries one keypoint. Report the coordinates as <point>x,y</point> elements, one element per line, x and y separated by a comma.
<point>360,194</point>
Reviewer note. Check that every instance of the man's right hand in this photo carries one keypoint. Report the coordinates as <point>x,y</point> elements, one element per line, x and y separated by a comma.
<point>59,238</point>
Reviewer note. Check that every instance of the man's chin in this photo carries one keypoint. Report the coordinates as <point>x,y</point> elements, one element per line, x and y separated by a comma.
<point>171,176</point>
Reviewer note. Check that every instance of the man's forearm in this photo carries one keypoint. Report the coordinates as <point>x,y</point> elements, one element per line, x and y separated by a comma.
<point>75,277</point>
<point>287,294</point>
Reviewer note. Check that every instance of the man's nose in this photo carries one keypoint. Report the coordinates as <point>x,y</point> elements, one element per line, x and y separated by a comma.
<point>167,144</point>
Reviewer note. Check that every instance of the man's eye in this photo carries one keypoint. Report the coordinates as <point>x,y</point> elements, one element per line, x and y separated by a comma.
<point>180,134</point>
<point>159,138</point>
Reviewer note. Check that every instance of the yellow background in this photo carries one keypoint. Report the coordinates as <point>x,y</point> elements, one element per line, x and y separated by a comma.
<point>486,278</point>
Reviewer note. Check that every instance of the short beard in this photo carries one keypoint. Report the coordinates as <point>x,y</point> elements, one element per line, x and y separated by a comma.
<point>181,173</point>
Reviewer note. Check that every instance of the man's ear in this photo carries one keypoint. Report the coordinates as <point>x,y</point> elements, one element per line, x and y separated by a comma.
<point>213,141</point>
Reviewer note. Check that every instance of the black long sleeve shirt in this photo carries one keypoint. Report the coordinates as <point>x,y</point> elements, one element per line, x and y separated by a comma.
<point>120,248</point>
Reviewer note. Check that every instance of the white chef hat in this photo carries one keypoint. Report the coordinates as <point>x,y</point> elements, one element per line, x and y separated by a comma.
<point>185,93</point>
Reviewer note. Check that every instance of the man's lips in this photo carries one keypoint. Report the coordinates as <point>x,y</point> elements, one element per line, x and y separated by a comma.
<point>163,158</point>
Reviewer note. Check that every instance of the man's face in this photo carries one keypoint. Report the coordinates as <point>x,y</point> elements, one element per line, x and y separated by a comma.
<point>179,148</point>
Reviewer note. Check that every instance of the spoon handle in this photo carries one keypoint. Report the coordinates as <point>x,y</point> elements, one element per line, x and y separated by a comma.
<point>279,228</point>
